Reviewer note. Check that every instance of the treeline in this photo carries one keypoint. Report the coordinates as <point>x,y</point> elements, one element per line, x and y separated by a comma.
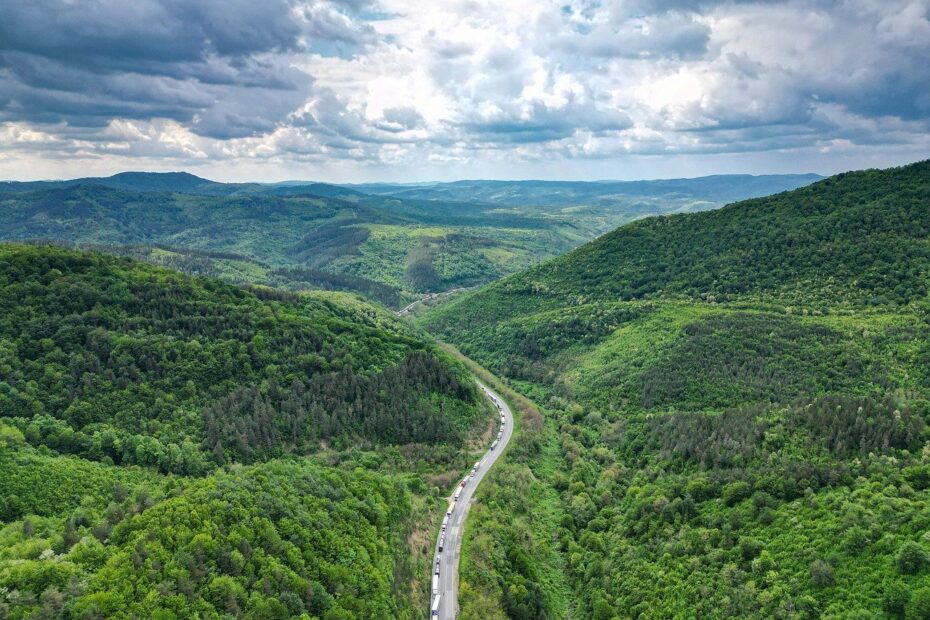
<point>396,405</point>
<point>843,426</point>
<point>316,278</point>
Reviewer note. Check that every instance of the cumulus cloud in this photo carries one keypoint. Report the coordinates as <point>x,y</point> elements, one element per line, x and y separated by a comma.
<point>387,86</point>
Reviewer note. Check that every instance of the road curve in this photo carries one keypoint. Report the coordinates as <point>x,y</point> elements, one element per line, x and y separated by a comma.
<point>428,297</point>
<point>452,547</point>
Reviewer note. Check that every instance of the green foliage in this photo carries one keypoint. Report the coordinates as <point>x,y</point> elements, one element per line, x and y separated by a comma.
<point>113,360</point>
<point>896,599</point>
<point>272,541</point>
<point>919,606</point>
<point>738,400</point>
<point>911,558</point>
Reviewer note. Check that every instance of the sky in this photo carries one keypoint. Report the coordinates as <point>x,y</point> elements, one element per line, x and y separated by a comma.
<point>405,90</point>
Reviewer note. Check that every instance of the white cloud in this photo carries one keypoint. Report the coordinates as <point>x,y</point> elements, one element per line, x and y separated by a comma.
<point>394,89</point>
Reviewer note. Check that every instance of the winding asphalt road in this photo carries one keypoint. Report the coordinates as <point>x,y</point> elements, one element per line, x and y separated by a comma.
<point>452,547</point>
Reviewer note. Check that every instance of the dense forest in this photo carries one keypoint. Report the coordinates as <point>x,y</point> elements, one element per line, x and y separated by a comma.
<point>737,410</point>
<point>150,429</point>
<point>276,540</point>
<point>111,359</point>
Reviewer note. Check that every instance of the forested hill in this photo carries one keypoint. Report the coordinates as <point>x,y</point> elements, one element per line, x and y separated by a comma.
<point>859,237</point>
<point>178,447</point>
<point>316,236</point>
<point>111,359</point>
<point>737,405</point>
<point>131,181</point>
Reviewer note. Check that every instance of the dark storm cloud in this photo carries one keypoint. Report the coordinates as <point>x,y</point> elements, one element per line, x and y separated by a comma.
<point>145,35</point>
<point>221,67</point>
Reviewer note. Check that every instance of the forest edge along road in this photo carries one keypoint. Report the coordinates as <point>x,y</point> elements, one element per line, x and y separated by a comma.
<point>444,601</point>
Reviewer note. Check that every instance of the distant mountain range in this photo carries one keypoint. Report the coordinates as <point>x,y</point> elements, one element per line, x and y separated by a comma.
<point>388,243</point>
<point>532,192</point>
<point>177,182</point>
<point>726,187</point>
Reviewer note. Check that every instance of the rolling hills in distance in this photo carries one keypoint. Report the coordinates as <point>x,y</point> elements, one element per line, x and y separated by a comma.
<point>391,245</point>
<point>736,406</point>
<point>720,413</point>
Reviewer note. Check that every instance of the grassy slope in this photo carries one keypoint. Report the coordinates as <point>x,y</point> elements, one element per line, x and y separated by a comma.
<point>806,310</point>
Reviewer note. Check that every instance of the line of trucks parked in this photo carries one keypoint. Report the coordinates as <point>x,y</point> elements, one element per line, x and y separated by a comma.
<point>437,597</point>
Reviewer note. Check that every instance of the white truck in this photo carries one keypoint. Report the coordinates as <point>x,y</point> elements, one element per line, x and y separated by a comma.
<point>435,585</point>
<point>434,610</point>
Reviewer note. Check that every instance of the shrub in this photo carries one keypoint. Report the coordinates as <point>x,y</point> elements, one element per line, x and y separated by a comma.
<point>735,492</point>
<point>822,573</point>
<point>896,598</point>
<point>919,607</point>
<point>911,558</point>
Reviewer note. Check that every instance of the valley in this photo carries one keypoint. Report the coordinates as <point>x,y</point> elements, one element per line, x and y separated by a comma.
<point>722,413</point>
<point>393,250</point>
<point>386,310</point>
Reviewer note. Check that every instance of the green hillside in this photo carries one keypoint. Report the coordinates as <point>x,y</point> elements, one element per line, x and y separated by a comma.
<point>177,447</point>
<point>110,358</point>
<point>737,403</point>
<point>385,249</point>
<point>275,540</point>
